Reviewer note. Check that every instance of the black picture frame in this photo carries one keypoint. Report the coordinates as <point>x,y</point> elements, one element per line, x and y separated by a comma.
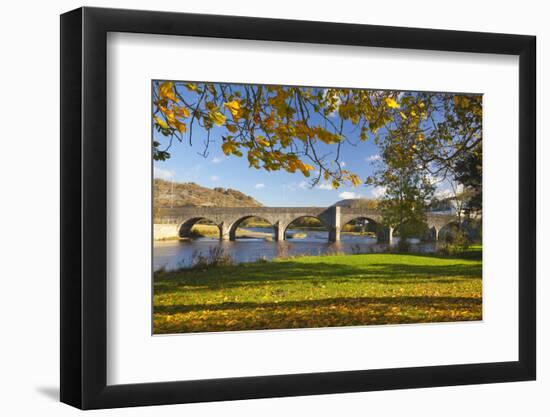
<point>84,207</point>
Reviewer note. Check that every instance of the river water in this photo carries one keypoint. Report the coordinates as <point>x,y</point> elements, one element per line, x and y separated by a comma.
<point>177,254</point>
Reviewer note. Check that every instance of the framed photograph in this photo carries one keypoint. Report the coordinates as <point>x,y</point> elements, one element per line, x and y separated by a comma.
<point>258,208</point>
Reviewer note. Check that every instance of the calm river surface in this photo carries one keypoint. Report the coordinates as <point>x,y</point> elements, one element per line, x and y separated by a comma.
<point>176,254</point>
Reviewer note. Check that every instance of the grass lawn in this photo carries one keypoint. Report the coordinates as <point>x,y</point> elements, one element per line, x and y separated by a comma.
<point>320,291</point>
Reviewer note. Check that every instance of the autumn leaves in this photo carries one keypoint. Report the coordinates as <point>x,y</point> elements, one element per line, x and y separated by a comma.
<point>302,129</point>
<point>276,127</point>
<point>328,291</point>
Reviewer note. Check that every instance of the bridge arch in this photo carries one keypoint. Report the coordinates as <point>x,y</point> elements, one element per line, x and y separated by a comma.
<point>184,228</point>
<point>448,230</point>
<point>237,223</point>
<point>361,223</point>
<point>292,222</point>
<point>370,220</point>
<point>471,227</point>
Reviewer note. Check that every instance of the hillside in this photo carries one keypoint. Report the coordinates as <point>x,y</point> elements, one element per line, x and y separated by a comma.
<point>191,194</point>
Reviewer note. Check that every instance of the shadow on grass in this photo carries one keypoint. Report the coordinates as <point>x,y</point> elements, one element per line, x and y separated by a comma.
<point>291,271</point>
<point>471,254</point>
<point>421,302</point>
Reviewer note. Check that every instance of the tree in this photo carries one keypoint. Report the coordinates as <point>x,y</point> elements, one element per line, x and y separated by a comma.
<point>408,189</point>
<point>468,172</point>
<point>302,129</point>
<point>451,130</point>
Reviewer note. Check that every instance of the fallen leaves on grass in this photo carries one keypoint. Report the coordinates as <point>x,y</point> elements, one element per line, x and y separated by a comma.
<point>308,292</point>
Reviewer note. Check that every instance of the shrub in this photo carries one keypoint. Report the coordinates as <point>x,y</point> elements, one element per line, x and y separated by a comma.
<point>457,244</point>
<point>462,240</point>
<point>446,249</point>
<point>216,256</point>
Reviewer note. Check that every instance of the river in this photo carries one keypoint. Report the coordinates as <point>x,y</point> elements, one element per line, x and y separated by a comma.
<point>179,253</point>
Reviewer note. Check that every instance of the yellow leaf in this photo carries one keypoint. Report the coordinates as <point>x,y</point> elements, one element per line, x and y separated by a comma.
<point>229,147</point>
<point>166,91</point>
<point>262,141</point>
<point>217,118</point>
<point>182,127</point>
<point>326,136</point>
<point>291,166</point>
<point>231,128</point>
<point>181,111</point>
<point>355,180</point>
<point>161,122</point>
<point>192,87</point>
<point>234,107</point>
<point>391,103</point>
<point>168,113</point>
<point>305,168</point>
<point>403,115</point>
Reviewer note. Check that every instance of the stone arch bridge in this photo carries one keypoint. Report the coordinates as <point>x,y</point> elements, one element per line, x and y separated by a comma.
<point>228,219</point>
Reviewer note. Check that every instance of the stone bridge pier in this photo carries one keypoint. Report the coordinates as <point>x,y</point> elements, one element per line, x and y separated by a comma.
<point>280,230</point>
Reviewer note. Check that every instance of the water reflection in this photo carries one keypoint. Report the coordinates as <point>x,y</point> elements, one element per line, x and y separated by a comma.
<point>175,254</point>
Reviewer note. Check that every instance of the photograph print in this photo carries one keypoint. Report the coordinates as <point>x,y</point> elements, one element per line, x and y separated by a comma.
<point>292,207</point>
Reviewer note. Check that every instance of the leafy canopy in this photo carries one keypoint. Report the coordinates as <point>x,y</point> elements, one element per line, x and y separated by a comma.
<point>302,129</point>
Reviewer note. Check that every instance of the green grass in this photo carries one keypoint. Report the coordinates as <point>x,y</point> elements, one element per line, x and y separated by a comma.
<point>320,291</point>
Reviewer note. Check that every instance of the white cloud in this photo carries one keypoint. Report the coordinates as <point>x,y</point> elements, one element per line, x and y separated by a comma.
<point>373,158</point>
<point>214,178</point>
<point>259,186</point>
<point>217,160</point>
<point>378,192</point>
<point>343,164</point>
<point>163,174</point>
<point>348,194</point>
<point>325,186</point>
<point>295,186</point>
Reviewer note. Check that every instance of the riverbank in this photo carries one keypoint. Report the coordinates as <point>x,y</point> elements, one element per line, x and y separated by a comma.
<point>319,291</point>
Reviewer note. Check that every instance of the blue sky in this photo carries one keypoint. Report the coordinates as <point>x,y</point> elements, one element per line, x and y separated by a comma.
<point>269,188</point>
